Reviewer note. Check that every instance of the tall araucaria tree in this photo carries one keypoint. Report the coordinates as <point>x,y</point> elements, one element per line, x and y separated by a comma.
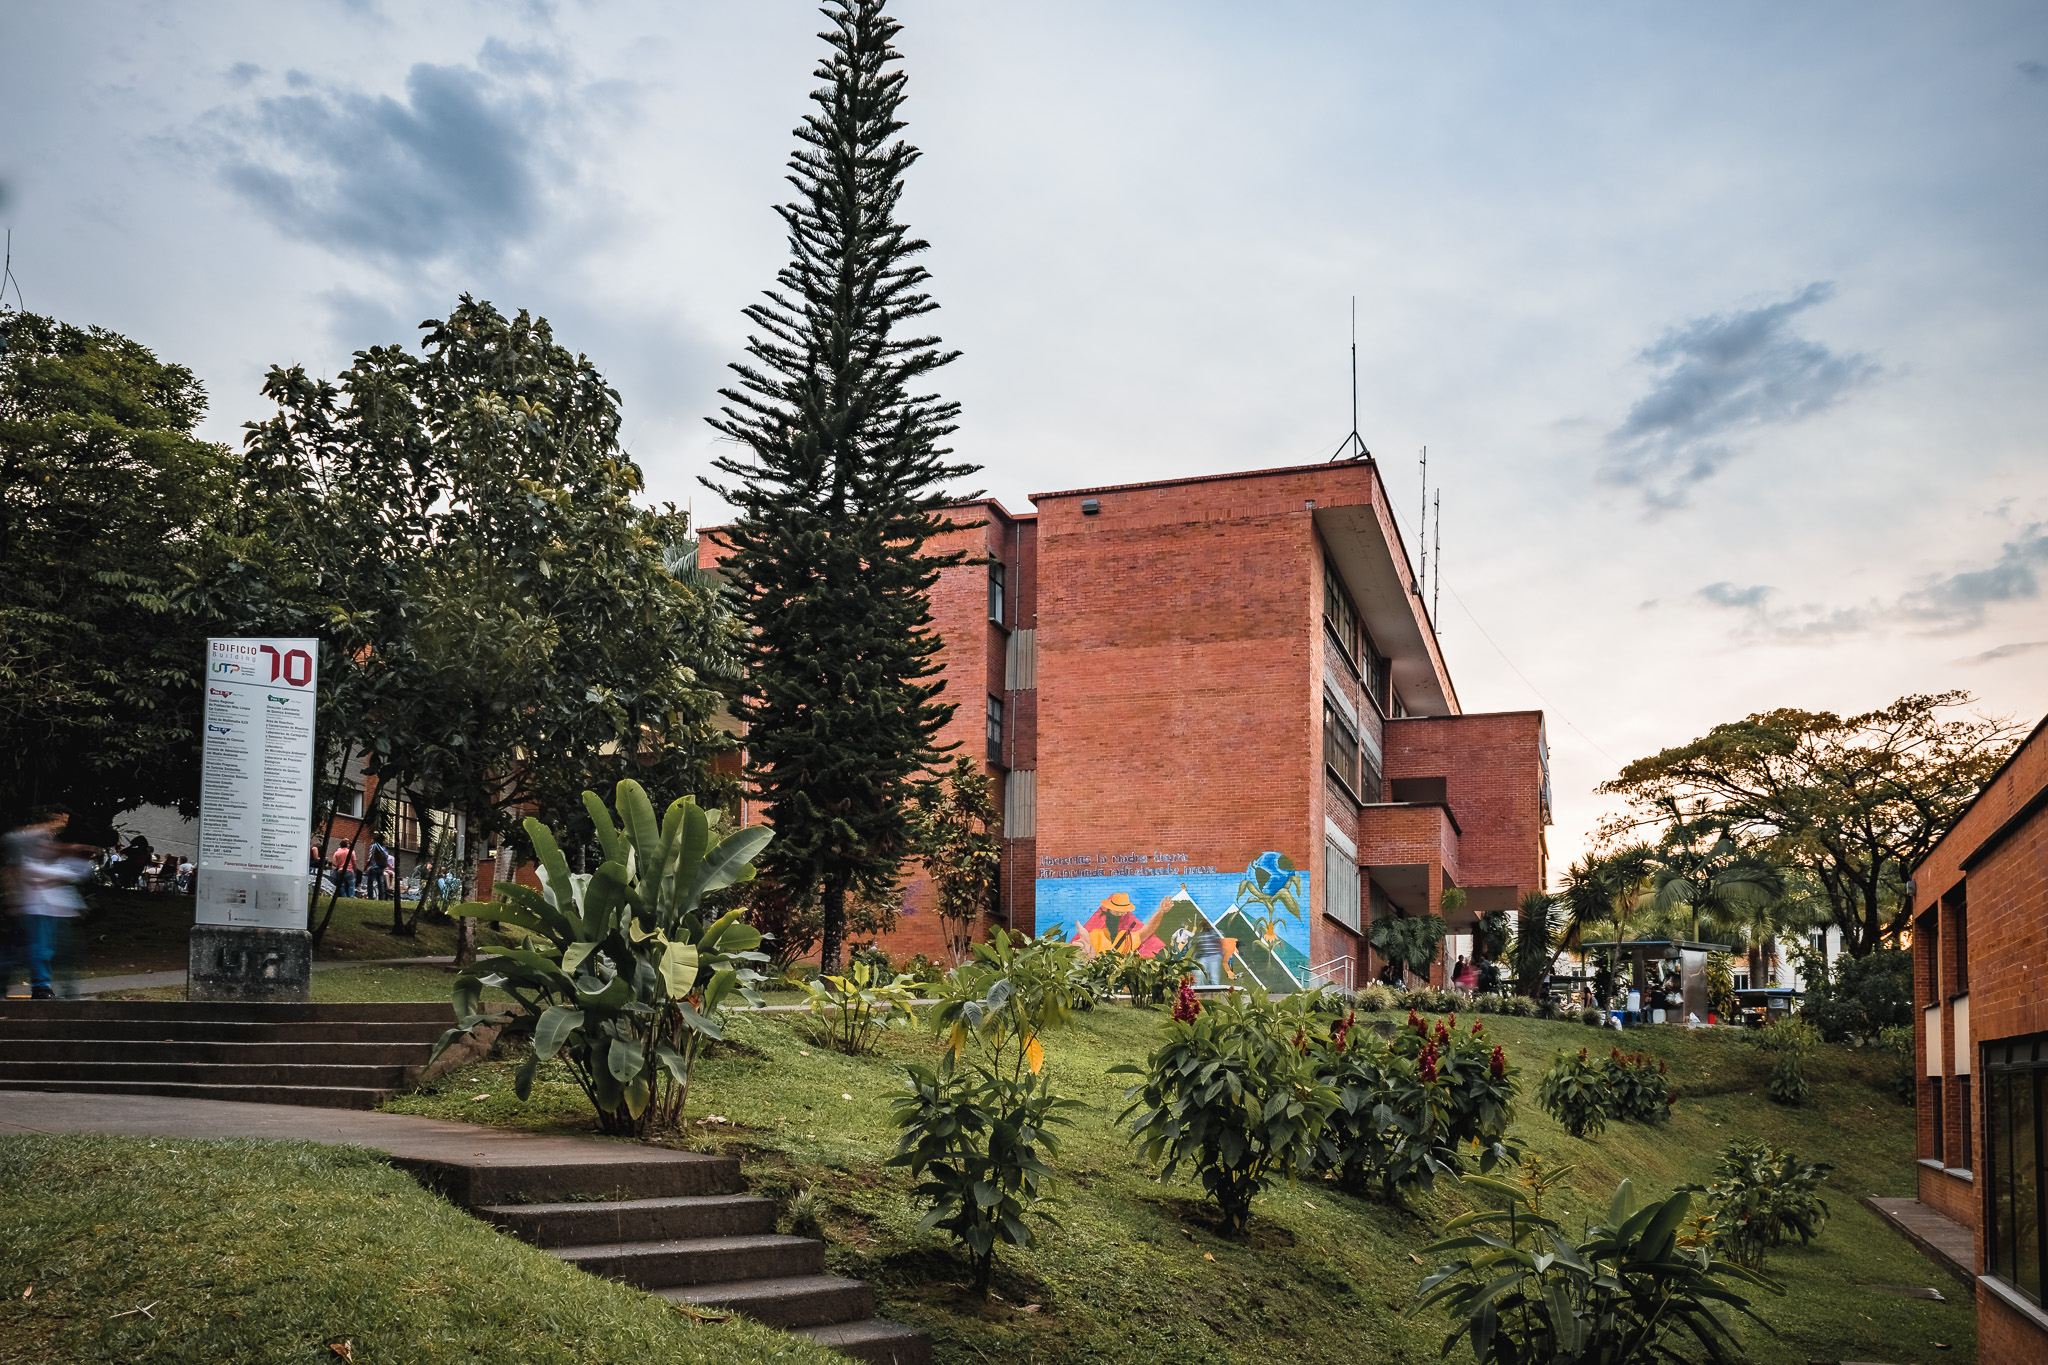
<point>838,487</point>
<point>838,490</point>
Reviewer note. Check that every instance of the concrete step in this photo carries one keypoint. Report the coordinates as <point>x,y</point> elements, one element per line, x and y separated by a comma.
<point>213,1052</point>
<point>413,1012</point>
<point>211,1073</point>
<point>787,1301</point>
<point>610,1171</point>
<point>326,1097</point>
<point>593,1222</point>
<point>17,1023</point>
<point>699,1260</point>
<point>882,1343</point>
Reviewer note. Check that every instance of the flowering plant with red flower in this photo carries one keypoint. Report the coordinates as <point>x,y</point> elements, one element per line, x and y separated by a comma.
<point>1426,1068</point>
<point>1497,1065</point>
<point>1185,1006</point>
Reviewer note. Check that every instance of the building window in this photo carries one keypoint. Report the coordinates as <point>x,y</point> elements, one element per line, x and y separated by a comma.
<point>1340,885</point>
<point>995,728</point>
<point>995,592</point>
<point>1340,745</point>
<point>2010,1174</point>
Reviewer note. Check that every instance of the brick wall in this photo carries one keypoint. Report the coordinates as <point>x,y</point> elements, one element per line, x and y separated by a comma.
<point>1493,773</point>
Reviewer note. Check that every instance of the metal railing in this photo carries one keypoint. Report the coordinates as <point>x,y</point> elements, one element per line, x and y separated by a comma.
<point>1336,972</point>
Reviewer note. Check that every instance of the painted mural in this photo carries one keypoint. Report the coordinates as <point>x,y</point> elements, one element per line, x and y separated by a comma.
<point>1244,927</point>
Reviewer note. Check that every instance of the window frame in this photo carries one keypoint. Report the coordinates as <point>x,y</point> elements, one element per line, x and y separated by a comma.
<point>998,592</point>
<point>1346,626</point>
<point>995,728</point>
<point>1337,724</point>
<point>2009,1067</point>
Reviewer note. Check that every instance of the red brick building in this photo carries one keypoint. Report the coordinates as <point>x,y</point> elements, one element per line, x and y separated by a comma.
<point>1980,980</point>
<point>1216,713</point>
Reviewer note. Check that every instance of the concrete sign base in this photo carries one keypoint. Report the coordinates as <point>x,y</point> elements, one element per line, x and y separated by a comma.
<point>240,962</point>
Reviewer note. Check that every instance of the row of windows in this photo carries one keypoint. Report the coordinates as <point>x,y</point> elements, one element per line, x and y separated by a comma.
<point>1353,761</point>
<point>1348,629</point>
<point>2011,1171</point>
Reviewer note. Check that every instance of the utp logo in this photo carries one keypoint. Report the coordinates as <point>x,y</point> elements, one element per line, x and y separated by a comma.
<point>230,669</point>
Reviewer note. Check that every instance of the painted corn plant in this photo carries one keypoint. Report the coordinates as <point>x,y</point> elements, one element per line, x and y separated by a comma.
<point>620,970</point>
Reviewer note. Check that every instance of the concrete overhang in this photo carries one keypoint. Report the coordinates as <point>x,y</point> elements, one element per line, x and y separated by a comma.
<point>1358,546</point>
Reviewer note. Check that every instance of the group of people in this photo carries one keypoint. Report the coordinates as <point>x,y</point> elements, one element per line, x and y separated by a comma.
<point>138,865</point>
<point>42,873</point>
<point>371,879</point>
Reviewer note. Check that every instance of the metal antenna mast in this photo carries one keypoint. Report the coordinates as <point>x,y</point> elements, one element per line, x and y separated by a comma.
<point>1422,526</point>
<point>1353,446</point>
<point>1436,589</point>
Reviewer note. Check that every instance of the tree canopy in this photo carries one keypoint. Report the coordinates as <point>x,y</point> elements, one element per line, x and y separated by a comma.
<point>109,496</point>
<point>1852,803</point>
<point>507,627</point>
<point>838,486</point>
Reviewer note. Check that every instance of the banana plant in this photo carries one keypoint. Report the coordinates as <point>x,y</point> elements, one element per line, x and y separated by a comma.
<point>621,972</point>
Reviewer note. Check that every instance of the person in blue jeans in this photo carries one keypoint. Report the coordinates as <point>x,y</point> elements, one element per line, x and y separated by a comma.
<point>42,894</point>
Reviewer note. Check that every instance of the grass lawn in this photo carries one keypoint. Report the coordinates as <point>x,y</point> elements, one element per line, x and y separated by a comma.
<point>1135,1272</point>
<point>126,932</point>
<point>249,1251</point>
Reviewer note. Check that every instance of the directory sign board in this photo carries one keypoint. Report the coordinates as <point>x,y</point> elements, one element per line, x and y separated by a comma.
<point>256,792</point>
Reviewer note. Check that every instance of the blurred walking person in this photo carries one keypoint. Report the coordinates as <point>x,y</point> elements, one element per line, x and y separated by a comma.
<point>42,894</point>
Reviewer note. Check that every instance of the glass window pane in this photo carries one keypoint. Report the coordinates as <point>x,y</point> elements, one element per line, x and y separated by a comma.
<point>1997,1175</point>
<point>2026,1183</point>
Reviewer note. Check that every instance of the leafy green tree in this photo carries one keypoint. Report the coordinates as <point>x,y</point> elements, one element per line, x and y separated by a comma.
<point>962,839</point>
<point>1854,802</point>
<point>1535,941</point>
<point>838,491</point>
<point>1705,876</point>
<point>109,499</point>
<point>507,626</point>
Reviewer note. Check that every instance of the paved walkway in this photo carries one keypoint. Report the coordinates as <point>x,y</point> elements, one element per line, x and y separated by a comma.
<point>143,981</point>
<point>1943,1240</point>
<point>402,1135</point>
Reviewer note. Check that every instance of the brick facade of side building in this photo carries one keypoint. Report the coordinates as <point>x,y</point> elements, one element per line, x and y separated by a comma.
<point>1216,715</point>
<point>1980,984</point>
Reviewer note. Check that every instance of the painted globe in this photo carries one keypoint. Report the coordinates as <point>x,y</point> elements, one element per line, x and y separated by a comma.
<point>1271,877</point>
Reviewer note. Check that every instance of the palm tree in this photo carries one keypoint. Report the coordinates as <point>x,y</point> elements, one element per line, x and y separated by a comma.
<point>1705,874</point>
<point>1603,892</point>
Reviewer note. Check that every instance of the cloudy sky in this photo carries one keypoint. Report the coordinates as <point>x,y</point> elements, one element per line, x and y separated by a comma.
<point>1725,325</point>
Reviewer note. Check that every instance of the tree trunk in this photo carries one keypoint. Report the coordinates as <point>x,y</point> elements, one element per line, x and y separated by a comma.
<point>833,932</point>
<point>1756,963</point>
<point>465,941</point>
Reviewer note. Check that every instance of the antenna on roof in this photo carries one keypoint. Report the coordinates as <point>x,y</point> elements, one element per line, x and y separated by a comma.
<point>1353,446</point>
<point>7,277</point>
<point>1422,526</point>
<point>1436,589</point>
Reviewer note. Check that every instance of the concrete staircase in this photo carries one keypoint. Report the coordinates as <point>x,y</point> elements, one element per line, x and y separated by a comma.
<point>336,1056</point>
<point>686,1231</point>
<point>676,1223</point>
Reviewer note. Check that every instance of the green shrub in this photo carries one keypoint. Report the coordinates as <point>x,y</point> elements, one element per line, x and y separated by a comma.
<point>1638,1089</point>
<point>1377,998</point>
<point>977,1138</point>
<point>1790,1041</point>
<point>1486,1004</point>
<point>853,1009</point>
<point>1150,980</point>
<point>1628,1293</point>
<point>1236,1093</point>
<point>1574,1092</point>
<point>1860,996</point>
<point>1411,940</point>
<point>1012,989</point>
<point>1409,1108</point>
<point>1720,978</point>
<point>1897,1039</point>
<point>621,972</point>
<point>1519,1006</point>
<point>1760,1196</point>
<point>1593,1015</point>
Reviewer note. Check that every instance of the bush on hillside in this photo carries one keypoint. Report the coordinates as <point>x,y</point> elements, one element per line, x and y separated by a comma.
<point>1574,1092</point>
<point>1758,1198</point>
<point>1415,1107</point>
<point>1235,1093</point>
<point>1637,1087</point>
<point>1789,1041</point>
<point>1629,1292</point>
